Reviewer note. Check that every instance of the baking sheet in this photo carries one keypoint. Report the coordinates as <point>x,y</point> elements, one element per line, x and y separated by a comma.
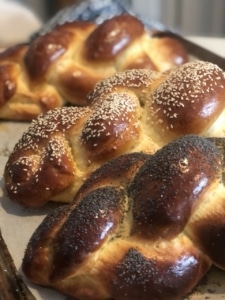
<point>18,224</point>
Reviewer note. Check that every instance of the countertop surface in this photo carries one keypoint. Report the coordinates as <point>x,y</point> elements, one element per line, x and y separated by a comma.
<point>215,44</point>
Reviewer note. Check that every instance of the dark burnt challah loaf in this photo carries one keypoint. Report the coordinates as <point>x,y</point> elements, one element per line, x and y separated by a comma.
<point>63,65</point>
<point>132,111</point>
<point>141,227</point>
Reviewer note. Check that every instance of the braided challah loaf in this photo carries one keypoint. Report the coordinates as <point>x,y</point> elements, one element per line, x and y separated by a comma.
<point>141,227</point>
<point>64,65</point>
<point>132,111</point>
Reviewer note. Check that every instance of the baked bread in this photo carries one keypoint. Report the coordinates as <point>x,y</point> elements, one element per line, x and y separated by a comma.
<point>63,65</point>
<point>132,111</point>
<point>141,227</point>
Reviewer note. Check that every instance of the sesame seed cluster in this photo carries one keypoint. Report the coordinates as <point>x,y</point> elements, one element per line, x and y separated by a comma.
<point>190,91</point>
<point>131,111</point>
<point>130,79</point>
<point>58,120</point>
<point>109,111</point>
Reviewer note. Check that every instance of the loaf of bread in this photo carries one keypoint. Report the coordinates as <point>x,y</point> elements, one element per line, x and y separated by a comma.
<point>141,227</point>
<point>63,65</point>
<point>132,111</point>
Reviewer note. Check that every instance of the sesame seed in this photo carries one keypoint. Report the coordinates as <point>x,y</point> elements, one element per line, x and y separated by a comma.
<point>185,84</point>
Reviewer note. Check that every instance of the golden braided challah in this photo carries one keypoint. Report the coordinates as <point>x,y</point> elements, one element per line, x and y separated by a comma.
<point>141,227</point>
<point>63,65</point>
<point>132,111</point>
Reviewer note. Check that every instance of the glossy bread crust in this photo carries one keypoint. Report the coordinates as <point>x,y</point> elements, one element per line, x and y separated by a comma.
<point>130,230</point>
<point>131,111</point>
<point>63,65</point>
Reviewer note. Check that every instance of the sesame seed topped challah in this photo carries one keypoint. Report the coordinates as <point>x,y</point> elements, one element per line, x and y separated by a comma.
<point>63,65</point>
<point>141,227</point>
<point>132,111</point>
